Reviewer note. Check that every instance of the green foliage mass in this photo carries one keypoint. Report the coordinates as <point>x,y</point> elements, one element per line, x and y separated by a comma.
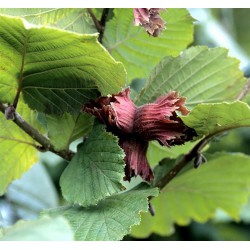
<point>97,169</point>
<point>54,60</point>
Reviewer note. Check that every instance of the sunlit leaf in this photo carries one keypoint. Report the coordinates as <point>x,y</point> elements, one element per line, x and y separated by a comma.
<point>17,152</point>
<point>72,19</point>
<point>57,71</point>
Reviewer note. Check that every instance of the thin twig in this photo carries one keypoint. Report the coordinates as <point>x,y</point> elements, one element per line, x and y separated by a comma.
<point>100,25</point>
<point>104,17</point>
<point>96,22</point>
<point>244,91</point>
<point>37,136</point>
<point>183,162</point>
<point>17,98</point>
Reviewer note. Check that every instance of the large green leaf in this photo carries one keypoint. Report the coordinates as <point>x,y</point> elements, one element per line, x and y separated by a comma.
<point>111,219</point>
<point>72,19</point>
<point>62,130</point>
<point>209,119</point>
<point>56,70</point>
<point>43,229</point>
<point>200,74</point>
<point>17,153</point>
<point>223,182</point>
<point>136,49</point>
<point>97,169</point>
<point>32,193</point>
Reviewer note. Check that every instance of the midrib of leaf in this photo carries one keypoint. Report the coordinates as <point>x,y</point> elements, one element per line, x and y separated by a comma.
<point>138,51</point>
<point>110,49</point>
<point>16,140</point>
<point>66,26</point>
<point>41,13</point>
<point>95,164</point>
<point>23,55</point>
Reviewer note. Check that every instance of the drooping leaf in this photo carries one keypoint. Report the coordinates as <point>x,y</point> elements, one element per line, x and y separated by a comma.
<point>97,169</point>
<point>209,119</point>
<point>136,49</point>
<point>43,229</point>
<point>32,193</point>
<point>222,217</point>
<point>62,130</point>
<point>223,182</point>
<point>110,219</point>
<point>199,73</point>
<point>57,71</point>
<point>71,19</point>
<point>17,153</point>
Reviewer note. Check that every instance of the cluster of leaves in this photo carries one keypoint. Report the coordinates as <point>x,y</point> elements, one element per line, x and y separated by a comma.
<point>58,67</point>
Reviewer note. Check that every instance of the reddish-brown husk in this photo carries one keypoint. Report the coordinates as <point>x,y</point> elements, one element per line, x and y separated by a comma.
<point>136,126</point>
<point>150,19</point>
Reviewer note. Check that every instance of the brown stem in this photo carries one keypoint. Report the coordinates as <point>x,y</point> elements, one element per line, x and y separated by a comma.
<point>37,136</point>
<point>104,17</point>
<point>244,91</point>
<point>16,98</point>
<point>183,162</point>
<point>96,22</point>
<point>100,25</point>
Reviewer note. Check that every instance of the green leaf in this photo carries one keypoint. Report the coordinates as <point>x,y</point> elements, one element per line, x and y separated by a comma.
<point>156,152</point>
<point>200,74</point>
<point>62,130</point>
<point>111,219</point>
<point>17,153</point>
<point>209,119</point>
<point>57,71</point>
<point>43,229</point>
<point>223,182</point>
<point>72,19</point>
<point>136,49</point>
<point>97,169</point>
<point>32,193</point>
